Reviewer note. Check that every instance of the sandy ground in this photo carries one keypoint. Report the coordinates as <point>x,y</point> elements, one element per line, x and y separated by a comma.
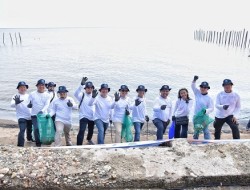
<point>9,132</point>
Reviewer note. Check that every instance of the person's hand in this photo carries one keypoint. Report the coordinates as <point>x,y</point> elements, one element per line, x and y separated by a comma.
<point>234,120</point>
<point>110,121</point>
<point>225,107</point>
<point>94,93</point>
<point>163,107</point>
<point>117,96</point>
<point>173,118</point>
<point>84,80</point>
<point>69,103</point>
<point>168,121</point>
<point>48,116</point>
<point>127,112</point>
<point>17,99</point>
<point>137,102</point>
<point>29,105</point>
<point>147,118</point>
<point>195,78</point>
<point>40,112</point>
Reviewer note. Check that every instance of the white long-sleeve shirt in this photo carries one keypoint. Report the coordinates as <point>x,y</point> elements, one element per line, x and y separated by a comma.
<point>202,101</point>
<point>62,110</point>
<point>51,97</point>
<point>139,112</point>
<point>232,99</point>
<point>182,108</point>
<point>103,107</point>
<point>40,102</point>
<point>163,115</point>
<point>85,110</point>
<point>119,109</point>
<point>22,111</point>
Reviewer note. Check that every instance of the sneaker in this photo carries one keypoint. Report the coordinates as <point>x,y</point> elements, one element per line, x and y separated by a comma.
<point>90,142</point>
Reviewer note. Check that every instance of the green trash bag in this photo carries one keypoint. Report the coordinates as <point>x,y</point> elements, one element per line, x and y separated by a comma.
<point>127,129</point>
<point>46,129</point>
<point>201,120</point>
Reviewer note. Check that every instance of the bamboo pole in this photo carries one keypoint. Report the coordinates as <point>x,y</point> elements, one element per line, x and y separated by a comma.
<point>243,35</point>
<point>16,39</point>
<point>11,39</point>
<point>20,37</point>
<point>229,38</point>
<point>3,39</point>
<point>245,41</point>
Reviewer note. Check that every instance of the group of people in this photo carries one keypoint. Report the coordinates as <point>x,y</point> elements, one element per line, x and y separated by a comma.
<point>99,109</point>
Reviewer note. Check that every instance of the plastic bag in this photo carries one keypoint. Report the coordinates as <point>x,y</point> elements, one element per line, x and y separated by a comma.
<point>46,129</point>
<point>201,120</point>
<point>126,129</point>
<point>171,130</point>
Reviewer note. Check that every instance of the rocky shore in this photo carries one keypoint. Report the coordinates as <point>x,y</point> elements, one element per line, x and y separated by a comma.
<point>180,166</point>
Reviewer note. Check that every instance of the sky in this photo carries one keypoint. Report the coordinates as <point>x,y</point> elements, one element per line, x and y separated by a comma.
<point>177,14</point>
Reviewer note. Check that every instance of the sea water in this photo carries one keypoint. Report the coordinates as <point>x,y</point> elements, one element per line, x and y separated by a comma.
<point>132,56</point>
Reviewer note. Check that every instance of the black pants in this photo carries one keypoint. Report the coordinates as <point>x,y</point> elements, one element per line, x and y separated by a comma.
<point>83,124</point>
<point>24,124</point>
<point>219,122</point>
<point>248,125</point>
<point>180,131</point>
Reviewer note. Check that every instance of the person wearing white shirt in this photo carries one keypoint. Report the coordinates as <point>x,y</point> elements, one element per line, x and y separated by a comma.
<point>39,102</point>
<point>103,106</point>
<point>86,113</point>
<point>162,111</point>
<point>139,111</point>
<point>121,107</point>
<point>227,110</point>
<point>53,96</point>
<point>62,107</point>
<point>182,109</point>
<point>23,113</point>
<point>202,101</point>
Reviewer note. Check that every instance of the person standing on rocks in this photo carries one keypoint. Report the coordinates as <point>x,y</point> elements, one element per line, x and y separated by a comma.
<point>227,110</point>
<point>39,101</point>
<point>182,109</point>
<point>62,107</point>
<point>86,113</point>
<point>162,111</point>
<point>121,106</point>
<point>23,113</point>
<point>53,96</point>
<point>202,101</point>
<point>103,106</point>
<point>139,111</point>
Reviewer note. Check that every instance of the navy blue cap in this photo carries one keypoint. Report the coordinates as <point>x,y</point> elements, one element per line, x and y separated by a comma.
<point>22,83</point>
<point>104,86</point>
<point>50,84</point>
<point>165,87</point>
<point>141,88</point>
<point>41,81</point>
<point>62,89</point>
<point>89,85</point>
<point>204,85</point>
<point>227,82</point>
<point>124,87</point>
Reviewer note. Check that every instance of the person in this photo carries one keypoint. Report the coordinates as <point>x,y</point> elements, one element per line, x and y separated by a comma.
<point>121,107</point>
<point>162,111</point>
<point>20,101</point>
<point>248,125</point>
<point>39,101</point>
<point>103,106</point>
<point>53,96</point>
<point>62,107</point>
<point>182,109</point>
<point>202,101</point>
<point>227,110</point>
<point>139,111</point>
<point>86,113</point>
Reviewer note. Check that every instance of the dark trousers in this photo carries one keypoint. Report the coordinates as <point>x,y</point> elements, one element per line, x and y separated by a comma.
<point>24,124</point>
<point>219,122</point>
<point>54,119</point>
<point>36,130</point>
<point>161,128</point>
<point>248,125</point>
<point>180,131</point>
<point>83,124</point>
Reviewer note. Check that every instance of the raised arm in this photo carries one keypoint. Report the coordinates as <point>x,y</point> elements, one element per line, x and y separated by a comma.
<point>79,92</point>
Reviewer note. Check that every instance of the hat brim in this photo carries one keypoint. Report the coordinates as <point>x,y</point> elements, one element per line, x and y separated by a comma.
<point>41,84</point>
<point>124,89</point>
<point>62,91</point>
<point>47,86</point>
<point>104,88</point>
<point>27,86</point>
<point>201,86</point>
<point>165,89</point>
<point>89,87</point>
<point>230,83</point>
<point>145,90</point>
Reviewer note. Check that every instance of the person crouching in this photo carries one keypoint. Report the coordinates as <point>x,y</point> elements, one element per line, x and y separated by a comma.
<point>62,107</point>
